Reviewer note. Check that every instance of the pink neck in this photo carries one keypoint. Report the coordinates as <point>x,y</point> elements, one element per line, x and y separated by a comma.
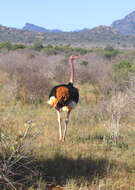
<point>72,71</point>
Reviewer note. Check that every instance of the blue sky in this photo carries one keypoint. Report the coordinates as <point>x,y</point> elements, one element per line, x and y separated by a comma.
<point>66,15</point>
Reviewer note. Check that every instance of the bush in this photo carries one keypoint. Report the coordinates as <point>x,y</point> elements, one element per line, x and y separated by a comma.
<point>18,46</point>
<point>28,76</point>
<point>17,169</point>
<point>84,63</point>
<point>11,46</point>
<point>108,48</point>
<point>31,89</point>
<point>6,45</point>
<point>122,72</point>
<point>109,52</point>
<point>124,64</point>
<point>37,46</point>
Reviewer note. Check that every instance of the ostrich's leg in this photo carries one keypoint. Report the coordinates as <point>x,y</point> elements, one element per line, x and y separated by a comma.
<point>66,123</point>
<point>60,127</point>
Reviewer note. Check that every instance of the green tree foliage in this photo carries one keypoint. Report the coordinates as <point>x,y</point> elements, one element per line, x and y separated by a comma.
<point>110,52</point>
<point>18,46</point>
<point>38,46</point>
<point>123,65</point>
<point>122,71</point>
<point>67,49</point>
<point>6,45</point>
<point>85,63</point>
<point>11,46</point>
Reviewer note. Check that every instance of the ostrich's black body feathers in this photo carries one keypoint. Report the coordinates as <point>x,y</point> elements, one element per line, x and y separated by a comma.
<point>71,92</point>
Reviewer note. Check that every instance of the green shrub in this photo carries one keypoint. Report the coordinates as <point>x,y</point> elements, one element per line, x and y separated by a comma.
<point>81,51</point>
<point>109,52</point>
<point>6,45</point>
<point>18,46</point>
<point>84,63</point>
<point>124,64</point>
<point>122,71</point>
<point>11,46</point>
<point>50,49</point>
<point>108,48</point>
<point>38,46</point>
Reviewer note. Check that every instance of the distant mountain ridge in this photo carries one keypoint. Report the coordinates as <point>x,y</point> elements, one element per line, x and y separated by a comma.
<point>120,34</point>
<point>125,25</point>
<point>33,27</point>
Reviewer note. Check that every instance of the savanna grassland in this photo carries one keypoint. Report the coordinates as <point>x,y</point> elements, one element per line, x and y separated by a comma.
<point>99,151</point>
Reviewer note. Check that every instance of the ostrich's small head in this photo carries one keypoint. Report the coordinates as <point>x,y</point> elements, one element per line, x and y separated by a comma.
<point>73,57</point>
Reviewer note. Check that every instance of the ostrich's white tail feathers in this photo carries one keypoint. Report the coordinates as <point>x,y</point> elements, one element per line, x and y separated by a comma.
<point>52,101</point>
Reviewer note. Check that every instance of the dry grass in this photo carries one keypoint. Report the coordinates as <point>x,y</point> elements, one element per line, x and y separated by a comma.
<point>88,160</point>
<point>85,161</point>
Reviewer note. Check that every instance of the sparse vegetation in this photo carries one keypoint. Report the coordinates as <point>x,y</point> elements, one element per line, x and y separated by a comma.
<point>99,149</point>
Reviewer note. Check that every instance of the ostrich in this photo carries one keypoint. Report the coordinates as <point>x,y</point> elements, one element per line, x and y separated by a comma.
<point>64,97</point>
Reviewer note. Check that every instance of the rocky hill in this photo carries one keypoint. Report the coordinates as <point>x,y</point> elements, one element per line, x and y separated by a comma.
<point>125,25</point>
<point>33,27</point>
<point>19,36</point>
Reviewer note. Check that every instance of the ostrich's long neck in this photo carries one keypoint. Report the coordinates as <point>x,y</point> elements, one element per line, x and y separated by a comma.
<point>72,71</point>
